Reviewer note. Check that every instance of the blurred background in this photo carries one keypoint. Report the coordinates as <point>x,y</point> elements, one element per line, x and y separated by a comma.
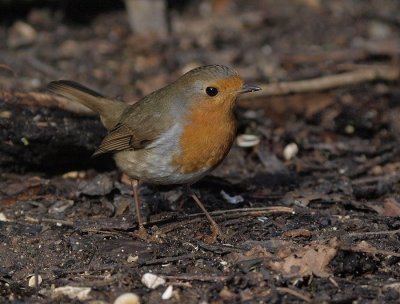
<point>129,48</point>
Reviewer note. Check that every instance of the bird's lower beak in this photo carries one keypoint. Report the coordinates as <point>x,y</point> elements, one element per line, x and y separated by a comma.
<point>247,88</point>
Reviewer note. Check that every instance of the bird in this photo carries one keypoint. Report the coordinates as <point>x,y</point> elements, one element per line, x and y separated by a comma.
<point>174,136</point>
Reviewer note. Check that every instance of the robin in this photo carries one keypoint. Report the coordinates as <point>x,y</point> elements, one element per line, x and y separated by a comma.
<point>173,136</point>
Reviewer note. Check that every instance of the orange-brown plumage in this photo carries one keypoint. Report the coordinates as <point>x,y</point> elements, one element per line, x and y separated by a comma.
<point>209,130</point>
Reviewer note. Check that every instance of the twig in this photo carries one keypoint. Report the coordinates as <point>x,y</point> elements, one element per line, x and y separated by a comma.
<point>44,100</point>
<point>364,49</point>
<point>42,66</point>
<point>6,67</point>
<point>301,295</point>
<point>370,251</point>
<point>49,220</point>
<point>102,281</point>
<point>383,232</point>
<point>250,211</point>
<point>202,278</point>
<point>323,57</point>
<point>333,281</point>
<point>378,160</point>
<point>367,74</point>
<point>217,249</point>
<point>90,269</point>
<point>377,251</point>
<point>226,214</point>
<point>168,259</point>
<point>392,177</point>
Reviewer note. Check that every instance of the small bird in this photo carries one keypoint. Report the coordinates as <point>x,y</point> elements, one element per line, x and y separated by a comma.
<point>173,136</point>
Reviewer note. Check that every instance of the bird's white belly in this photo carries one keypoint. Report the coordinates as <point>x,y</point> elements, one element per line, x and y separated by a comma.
<point>153,164</point>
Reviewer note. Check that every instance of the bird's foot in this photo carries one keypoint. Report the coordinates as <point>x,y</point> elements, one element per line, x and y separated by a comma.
<point>142,234</point>
<point>216,233</point>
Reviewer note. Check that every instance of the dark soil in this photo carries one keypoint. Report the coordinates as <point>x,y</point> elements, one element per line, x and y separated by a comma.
<point>321,225</point>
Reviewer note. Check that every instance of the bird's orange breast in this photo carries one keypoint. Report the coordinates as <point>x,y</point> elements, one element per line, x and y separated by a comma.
<point>206,138</point>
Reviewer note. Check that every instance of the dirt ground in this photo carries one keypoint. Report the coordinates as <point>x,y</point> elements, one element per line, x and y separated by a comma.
<point>312,212</point>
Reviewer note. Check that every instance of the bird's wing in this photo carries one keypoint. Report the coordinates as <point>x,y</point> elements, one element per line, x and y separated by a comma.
<point>123,138</point>
<point>140,126</point>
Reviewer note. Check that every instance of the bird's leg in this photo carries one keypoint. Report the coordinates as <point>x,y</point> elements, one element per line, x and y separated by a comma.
<point>141,232</point>
<point>215,230</point>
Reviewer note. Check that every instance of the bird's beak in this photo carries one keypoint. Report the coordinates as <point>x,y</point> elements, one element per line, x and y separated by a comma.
<point>247,88</point>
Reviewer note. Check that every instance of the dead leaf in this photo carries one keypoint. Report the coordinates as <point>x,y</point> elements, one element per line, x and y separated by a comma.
<point>255,252</point>
<point>297,233</point>
<point>22,186</point>
<point>310,260</point>
<point>371,250</point>
<point>391,207</point>
<point>364,246</point>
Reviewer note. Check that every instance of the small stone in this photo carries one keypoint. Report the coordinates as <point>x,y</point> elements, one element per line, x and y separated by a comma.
<point>25,141</point>
<point>152,281</point>
<point>379,30</point>
<point>127,298</point>
<point>72,292</point>
<point>32,281</point>
<point>227,295</point>
<point>61,206</point>
<point>69,49</point>
<point>167,293</point>
<point>247,140</point>
<point>132,259</point>
<point>290,151</point>
<point>100,185</point>
<point>40,17</point>
<point>349,129</point>
<point>234,200</point>
<point>71,175</point>
<point>5,114</point>
<point>3,217</point>
<point>21,34</point>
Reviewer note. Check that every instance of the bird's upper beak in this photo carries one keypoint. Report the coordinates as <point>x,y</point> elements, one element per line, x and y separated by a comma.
<point>247,88</point>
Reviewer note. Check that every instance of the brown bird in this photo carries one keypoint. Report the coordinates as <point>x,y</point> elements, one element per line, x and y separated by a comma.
<point>173,136</point>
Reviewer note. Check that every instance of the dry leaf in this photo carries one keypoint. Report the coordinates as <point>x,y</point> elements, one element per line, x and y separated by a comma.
<point>255,252</point>
<point>364,246</point>
<point>391,207</point>
<point>310,260</point>
<point>297,233</point>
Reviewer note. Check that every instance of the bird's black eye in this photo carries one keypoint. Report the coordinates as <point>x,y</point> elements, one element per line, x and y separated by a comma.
<point>211,91</point>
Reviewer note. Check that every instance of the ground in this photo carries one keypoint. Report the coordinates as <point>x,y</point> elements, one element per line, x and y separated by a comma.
<point>316,217</point>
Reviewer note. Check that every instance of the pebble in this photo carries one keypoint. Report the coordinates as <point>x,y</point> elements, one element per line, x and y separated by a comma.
<point>21,34</point>
<point>100,185</point>
<point>247,140</point>
<point>236,199</point>
<point>167,294</point>
<point>290,151</point>
<point>152,281</point>
<point>32,281</point>
<point>73,292</point>
<point>132,259</point>
<point>3,217</point>
<point>127,298</point>
<point>61,206</point>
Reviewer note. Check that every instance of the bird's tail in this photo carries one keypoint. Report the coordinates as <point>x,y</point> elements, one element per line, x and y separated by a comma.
<point>109,110</point>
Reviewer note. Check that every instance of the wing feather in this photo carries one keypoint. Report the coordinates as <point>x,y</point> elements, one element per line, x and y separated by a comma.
<point>119,139</point>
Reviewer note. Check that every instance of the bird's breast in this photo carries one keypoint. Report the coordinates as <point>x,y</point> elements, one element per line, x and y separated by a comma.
<point>206,138</point>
